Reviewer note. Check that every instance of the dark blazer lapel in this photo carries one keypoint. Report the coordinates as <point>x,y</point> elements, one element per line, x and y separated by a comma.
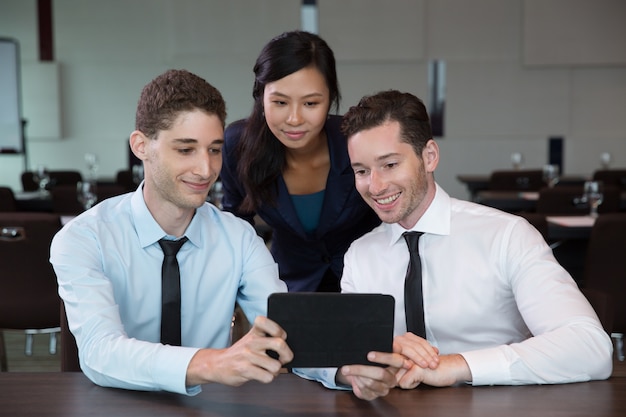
<point>288,210</point>
<point>340,182</point>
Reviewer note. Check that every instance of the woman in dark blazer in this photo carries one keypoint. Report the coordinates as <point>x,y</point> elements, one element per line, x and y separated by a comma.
<point>288,163</point>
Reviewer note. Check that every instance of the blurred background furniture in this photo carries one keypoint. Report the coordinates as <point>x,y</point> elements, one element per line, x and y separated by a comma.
<point>69,177</point>
<point>69,350</point>
<point>567,200</point>
<point>65,197</point>
<point>29,299</point>
<point>7,200</point>
<point>605,269</point>
<point>125,179</point>
<point>615,177</point>
<point>516,180</point>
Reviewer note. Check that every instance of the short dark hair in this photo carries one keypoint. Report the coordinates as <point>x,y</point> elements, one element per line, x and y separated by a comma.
<point>172,92</point>
<point>391,105</point>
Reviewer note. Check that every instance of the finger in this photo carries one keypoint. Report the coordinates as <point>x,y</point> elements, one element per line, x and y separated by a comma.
<point>369,382</point>
<point>417,350</point>
<point>410,379</point>
<point>263,327</point>
<point>394,360</point>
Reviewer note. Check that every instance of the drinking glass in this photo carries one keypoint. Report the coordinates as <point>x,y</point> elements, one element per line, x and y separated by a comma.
<point>91,160</point>
<point>605,160</point>
<point>42,177</point>
<point>593,195</point>
<point>551,175</point>
<point>137,172</point>
<point>86,193</point>
<point>517,159</point>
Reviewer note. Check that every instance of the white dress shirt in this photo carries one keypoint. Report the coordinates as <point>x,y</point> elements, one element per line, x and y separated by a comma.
<point>108,265</point>
<point>493,292</point>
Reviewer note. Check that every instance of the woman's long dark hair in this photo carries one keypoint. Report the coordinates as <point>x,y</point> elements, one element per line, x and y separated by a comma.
<point>261,157</point>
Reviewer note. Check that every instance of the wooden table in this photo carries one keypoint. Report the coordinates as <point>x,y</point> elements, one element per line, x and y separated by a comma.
<point>72,394</point>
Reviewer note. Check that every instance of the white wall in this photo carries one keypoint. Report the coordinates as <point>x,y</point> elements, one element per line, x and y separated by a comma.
<point>503,93</point>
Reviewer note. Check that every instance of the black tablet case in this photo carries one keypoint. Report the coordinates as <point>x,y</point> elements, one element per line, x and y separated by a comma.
<point>332,329</point>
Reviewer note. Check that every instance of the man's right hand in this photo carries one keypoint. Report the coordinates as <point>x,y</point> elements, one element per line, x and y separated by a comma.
<point>246,360</point>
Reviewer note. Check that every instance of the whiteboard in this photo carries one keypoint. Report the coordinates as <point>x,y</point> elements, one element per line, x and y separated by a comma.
<point>10,108</point>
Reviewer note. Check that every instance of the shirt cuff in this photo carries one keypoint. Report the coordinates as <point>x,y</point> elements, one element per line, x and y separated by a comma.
<point>170,369</point>
<point>488,366</point>
<point>325,376</point>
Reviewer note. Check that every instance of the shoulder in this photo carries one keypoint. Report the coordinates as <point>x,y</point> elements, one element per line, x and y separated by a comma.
<point>471,216</point>
<point>113,215</point>
<point>232,134</point>
<point>228,222</point>
<point>333,125</point>
<point>373,239</point>
<point>234,130</point>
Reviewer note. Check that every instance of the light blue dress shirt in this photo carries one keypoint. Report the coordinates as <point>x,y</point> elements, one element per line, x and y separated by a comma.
<point>108,264</point>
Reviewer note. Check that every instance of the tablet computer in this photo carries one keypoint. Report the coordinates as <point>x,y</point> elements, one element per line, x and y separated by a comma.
<point>333,329</point>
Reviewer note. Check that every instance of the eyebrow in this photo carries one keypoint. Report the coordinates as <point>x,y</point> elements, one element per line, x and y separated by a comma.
<point>192,140</point>
<point>377,159</point>
<point>279,94</point>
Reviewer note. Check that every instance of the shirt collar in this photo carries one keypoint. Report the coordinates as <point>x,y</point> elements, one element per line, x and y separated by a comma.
<point>436,219</point>
<point>149,231</point>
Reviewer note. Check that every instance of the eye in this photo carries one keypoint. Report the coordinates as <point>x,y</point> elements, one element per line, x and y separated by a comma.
<point>184,151</point>
<point>215,151</point>
<point>359,172</point>
<point>279,102</point>
<point>390,165</point>
<point>311,103</point>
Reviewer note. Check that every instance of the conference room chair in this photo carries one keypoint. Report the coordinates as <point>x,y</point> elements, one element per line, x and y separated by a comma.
<point>7,200</point>
<point>69,350</point>
<point>516,180</point>
<point>65,200</point>
<point>124,178</point>
<point>605,269</point>
<point>69,177</point>
<point>65,197</point>
<point>615,177</point>
<point>567,200</point>
<point>28,288</point>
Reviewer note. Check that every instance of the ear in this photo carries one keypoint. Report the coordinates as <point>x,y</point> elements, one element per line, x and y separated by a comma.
<point>138,143</point>
<point>430,156</point>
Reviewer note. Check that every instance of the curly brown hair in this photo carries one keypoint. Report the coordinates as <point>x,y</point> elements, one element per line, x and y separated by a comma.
<point>172,92</point>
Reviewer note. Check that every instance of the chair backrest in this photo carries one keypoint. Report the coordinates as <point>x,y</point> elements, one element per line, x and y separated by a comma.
<point>566,200</point>
<point>69,350</point>
<point>65,197</point>
<point>28,288</point>
<point>616,177</point>
<point>65,200</point>
<point>516,180</point>
<point>56,178</point>
<point>124,178</point>
<point>7,200</point>
<point>605,266</point>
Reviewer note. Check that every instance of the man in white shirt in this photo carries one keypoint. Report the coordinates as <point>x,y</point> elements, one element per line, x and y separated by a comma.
<point>498,308</point>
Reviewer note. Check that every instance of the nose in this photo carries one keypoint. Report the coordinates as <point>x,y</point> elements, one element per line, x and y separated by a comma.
<point>203,165</point>
<point>377,184</point>
<point>295,117</point>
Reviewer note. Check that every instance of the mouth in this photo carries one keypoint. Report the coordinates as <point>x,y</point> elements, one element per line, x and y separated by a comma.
<point>198,186</point>
<point>294,135</point>
<point>387,200</point>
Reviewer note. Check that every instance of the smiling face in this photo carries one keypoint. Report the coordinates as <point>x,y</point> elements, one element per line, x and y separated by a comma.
<point>296,108</point>
<point>181,163</point>
<point>397,183</point>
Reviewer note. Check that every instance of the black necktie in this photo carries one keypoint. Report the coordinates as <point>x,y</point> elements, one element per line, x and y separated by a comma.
<point>413,298</point>
<point>170,292</point>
